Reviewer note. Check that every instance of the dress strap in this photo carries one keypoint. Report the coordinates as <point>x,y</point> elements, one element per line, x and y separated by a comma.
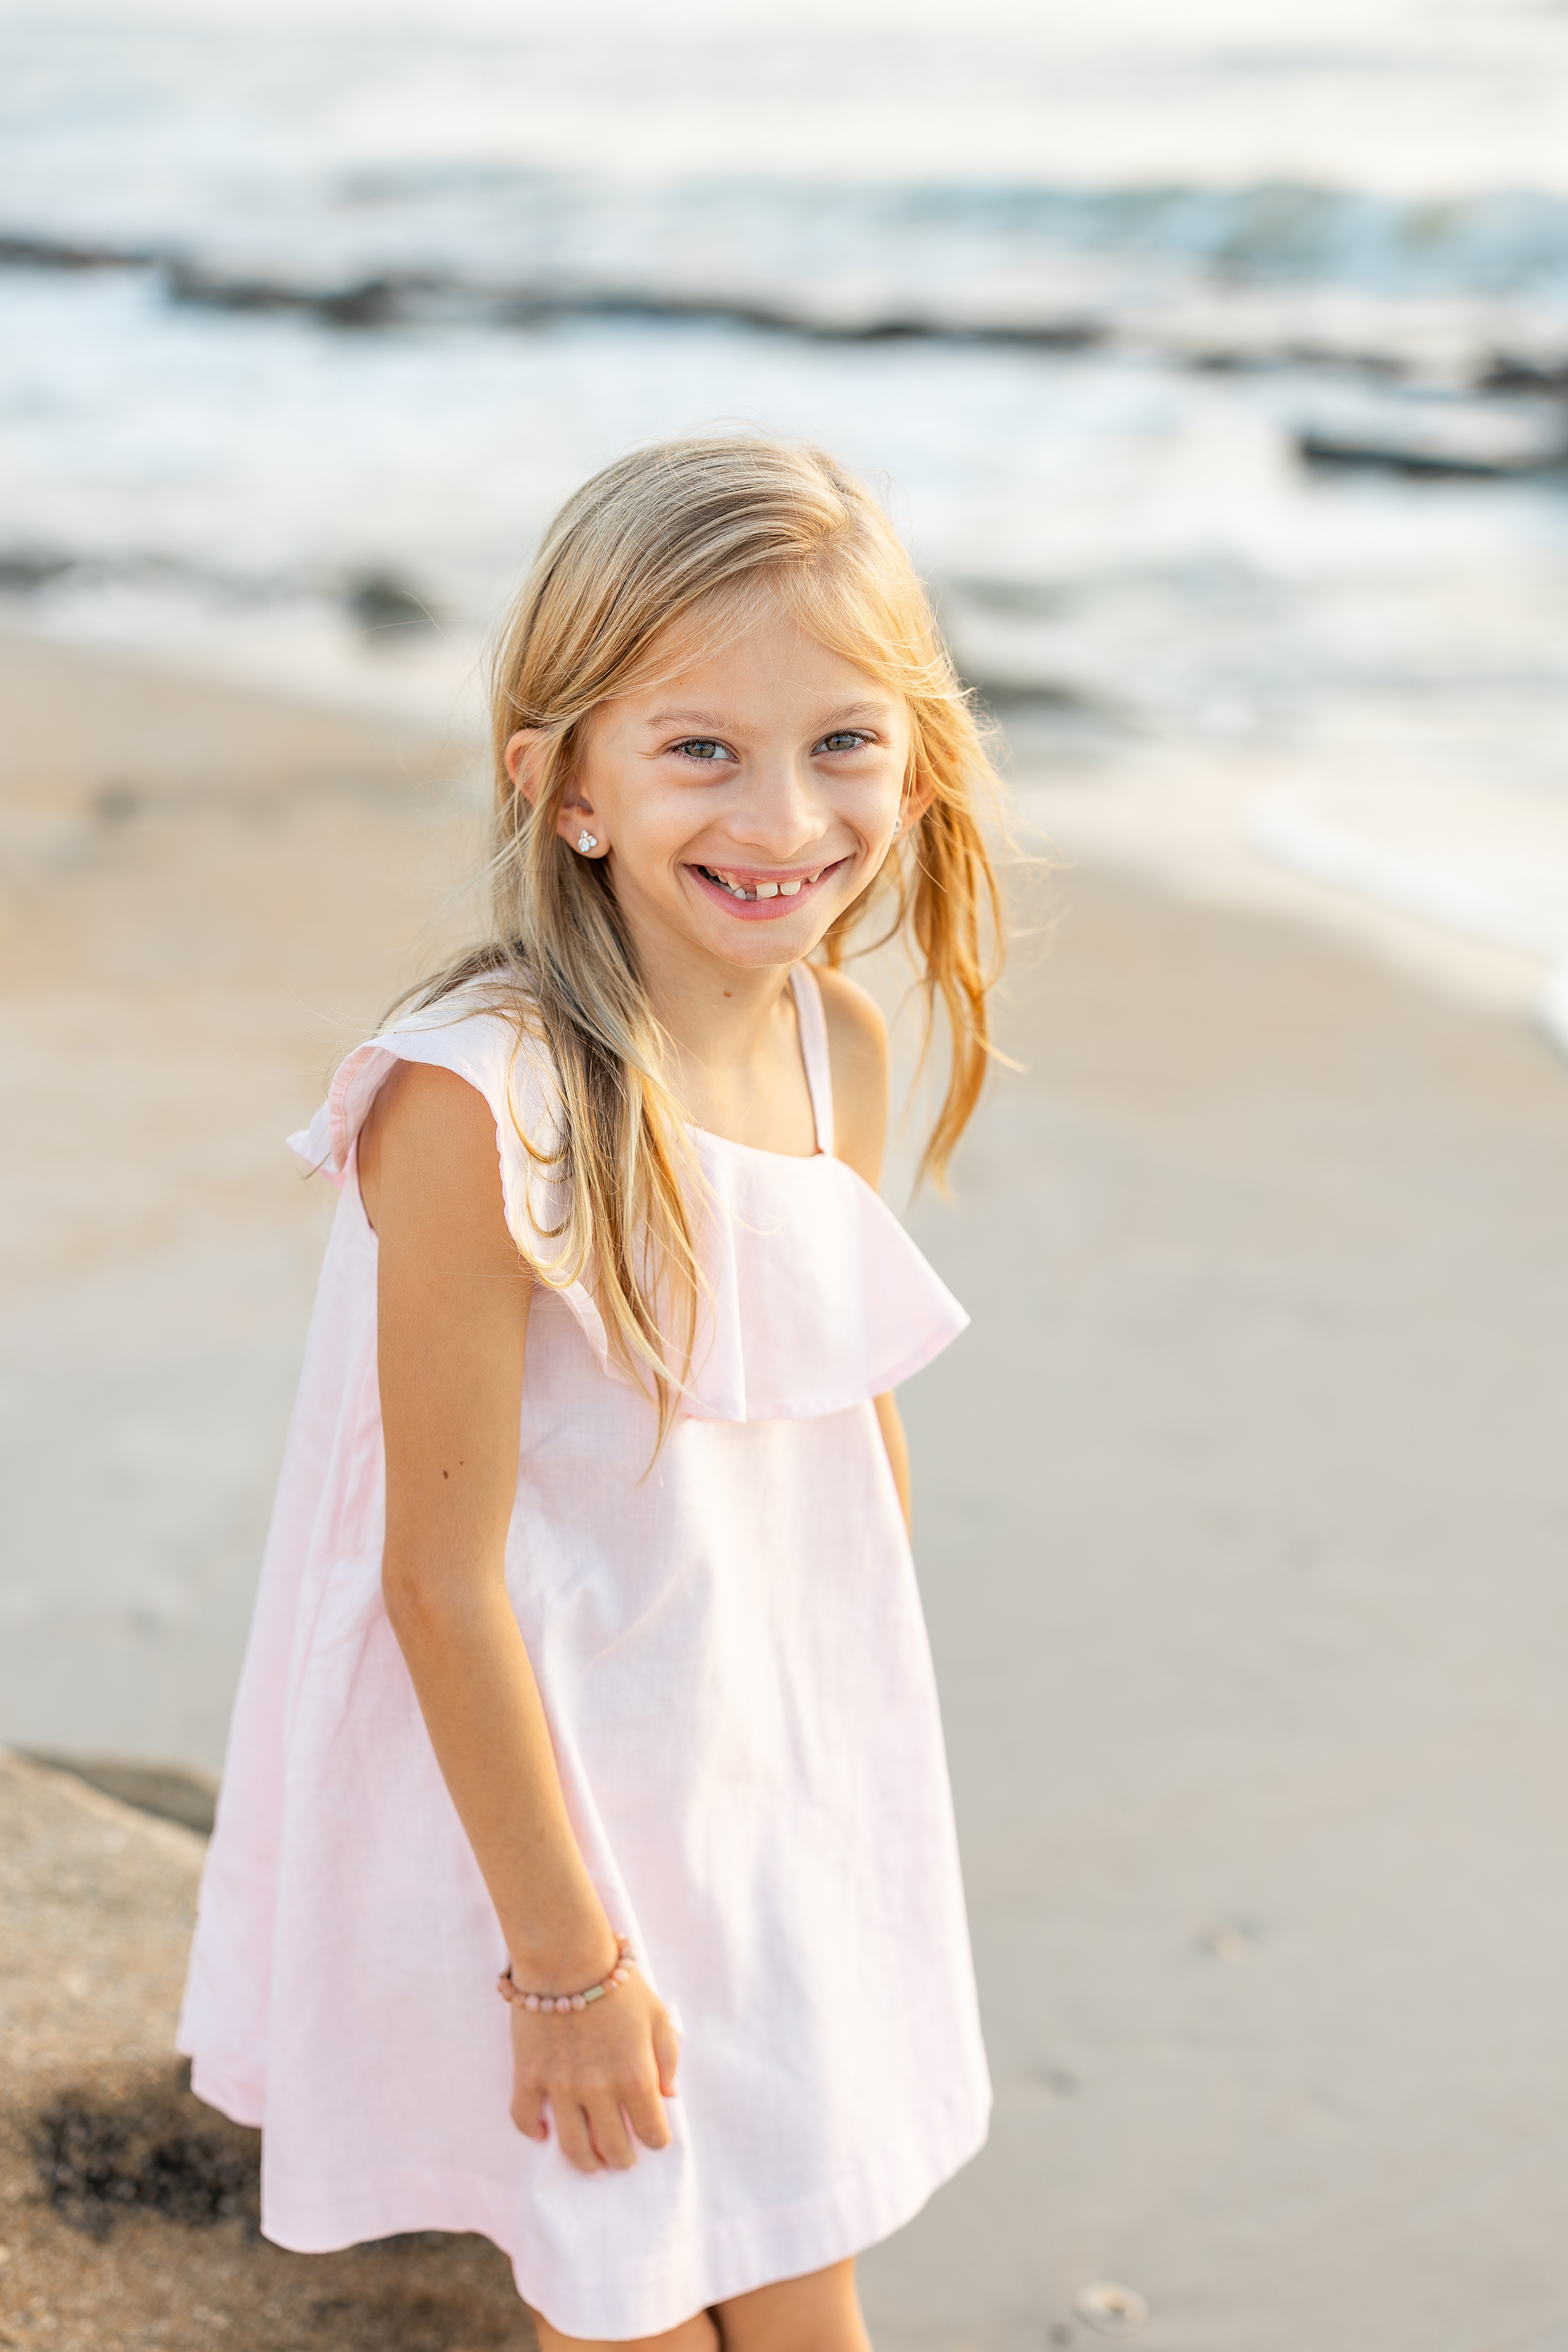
<point>813,1023</point>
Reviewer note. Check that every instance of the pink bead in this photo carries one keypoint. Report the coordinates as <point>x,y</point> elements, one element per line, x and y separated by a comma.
<point>578,2001</point>
<point>619,1977</point>
<point>530,2000</point>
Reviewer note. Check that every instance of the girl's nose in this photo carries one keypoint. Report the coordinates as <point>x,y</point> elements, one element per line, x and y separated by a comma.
<point>781,813</point>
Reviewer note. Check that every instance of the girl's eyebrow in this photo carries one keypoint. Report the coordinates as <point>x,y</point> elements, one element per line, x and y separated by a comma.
<point>706,718</point>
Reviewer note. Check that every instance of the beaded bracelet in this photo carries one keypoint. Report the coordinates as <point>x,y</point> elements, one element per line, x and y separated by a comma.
<point>546,2003</point>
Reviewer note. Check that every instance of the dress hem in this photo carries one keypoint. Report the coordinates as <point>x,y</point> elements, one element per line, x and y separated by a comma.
<point>828,2228</point>
<point>234,2090</point>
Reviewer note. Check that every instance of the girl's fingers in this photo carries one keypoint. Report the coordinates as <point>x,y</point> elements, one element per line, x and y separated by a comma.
<point>667,2053</point>
<point>528,2110</point>
<point>597,2126</point>
<point>645,2111</point>
<point>572,2130</point>
<point>612,2141</point>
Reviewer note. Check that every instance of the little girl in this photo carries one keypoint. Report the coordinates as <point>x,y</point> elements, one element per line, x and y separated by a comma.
<point>587,1648</point>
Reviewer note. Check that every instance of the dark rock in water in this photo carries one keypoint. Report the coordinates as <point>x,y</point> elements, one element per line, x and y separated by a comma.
<point>24,568</point>
<point>380,601</point>
<point>57,253</point>
<point>373,303</point>
<point>1330,454</point>
<point>1506,375</point>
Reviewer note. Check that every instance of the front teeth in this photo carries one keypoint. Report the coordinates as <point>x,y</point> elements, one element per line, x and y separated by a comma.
<point>762,889</point>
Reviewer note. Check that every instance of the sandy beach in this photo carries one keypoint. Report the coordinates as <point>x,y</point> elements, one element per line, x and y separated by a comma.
<point>207,898</point>
<point>1239,1519</point>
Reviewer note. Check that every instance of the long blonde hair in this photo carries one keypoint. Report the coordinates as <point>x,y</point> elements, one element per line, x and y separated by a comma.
<point>671,547</point>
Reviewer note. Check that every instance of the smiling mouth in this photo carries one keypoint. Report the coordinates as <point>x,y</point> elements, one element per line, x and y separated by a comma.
<point>749,889</point>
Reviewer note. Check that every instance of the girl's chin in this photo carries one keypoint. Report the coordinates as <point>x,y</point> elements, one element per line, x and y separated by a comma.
<point>810,899</point>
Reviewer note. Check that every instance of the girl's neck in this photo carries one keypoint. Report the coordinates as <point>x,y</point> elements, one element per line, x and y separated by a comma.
<point>738,1069</point>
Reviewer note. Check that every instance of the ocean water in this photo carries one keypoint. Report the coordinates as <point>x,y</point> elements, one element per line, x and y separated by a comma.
<point>1214,359</point>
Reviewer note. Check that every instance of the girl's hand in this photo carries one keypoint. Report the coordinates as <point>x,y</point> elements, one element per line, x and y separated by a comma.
<point>600,2068</point>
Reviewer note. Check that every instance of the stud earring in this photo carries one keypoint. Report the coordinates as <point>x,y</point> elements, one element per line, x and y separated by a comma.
<point>587,841</point>
<point>898,824</point>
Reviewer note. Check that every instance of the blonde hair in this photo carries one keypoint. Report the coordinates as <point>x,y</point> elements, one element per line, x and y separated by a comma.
<point>644,562</point>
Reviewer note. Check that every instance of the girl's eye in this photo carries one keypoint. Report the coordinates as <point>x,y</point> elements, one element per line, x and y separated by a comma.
<point>847,740</point>
<point>703,748</point>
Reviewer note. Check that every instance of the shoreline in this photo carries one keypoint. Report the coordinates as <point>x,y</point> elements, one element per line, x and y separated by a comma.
<point>1242,835</point>
<point>1236,829</point>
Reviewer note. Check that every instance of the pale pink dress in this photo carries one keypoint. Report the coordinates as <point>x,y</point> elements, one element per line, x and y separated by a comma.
<point>734,1662</point>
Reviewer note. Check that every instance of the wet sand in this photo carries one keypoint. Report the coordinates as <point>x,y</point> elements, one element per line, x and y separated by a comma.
<point>206,897</point>
<point>1240,1509</point>
<point>1241,1515</point>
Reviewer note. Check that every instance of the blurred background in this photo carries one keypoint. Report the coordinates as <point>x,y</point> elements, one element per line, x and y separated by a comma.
<point>1214,359</point>
<point>1217,353</point>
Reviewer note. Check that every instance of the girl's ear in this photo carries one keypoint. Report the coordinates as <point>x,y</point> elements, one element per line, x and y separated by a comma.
<point>918,795</point>
<point>525,758</point>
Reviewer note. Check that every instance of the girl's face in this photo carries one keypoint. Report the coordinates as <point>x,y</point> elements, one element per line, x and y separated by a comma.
<point>744,802</point>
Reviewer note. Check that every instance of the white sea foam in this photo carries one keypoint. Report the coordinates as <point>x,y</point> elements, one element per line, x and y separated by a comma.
<point>1498,874</point>
<point>1459,862</point>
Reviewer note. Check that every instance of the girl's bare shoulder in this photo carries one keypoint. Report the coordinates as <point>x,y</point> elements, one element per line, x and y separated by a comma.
<point>858,1052</point>
<point>433,1134</point>
<point>855,1022</point>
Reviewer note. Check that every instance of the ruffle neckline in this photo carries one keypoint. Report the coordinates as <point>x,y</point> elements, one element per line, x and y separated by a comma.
<point>814,1299</point>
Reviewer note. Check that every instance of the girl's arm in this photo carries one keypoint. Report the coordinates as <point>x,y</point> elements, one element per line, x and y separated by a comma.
<point>857,1050</point>
<point>453,1303</point>
<point>897,1445</point>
